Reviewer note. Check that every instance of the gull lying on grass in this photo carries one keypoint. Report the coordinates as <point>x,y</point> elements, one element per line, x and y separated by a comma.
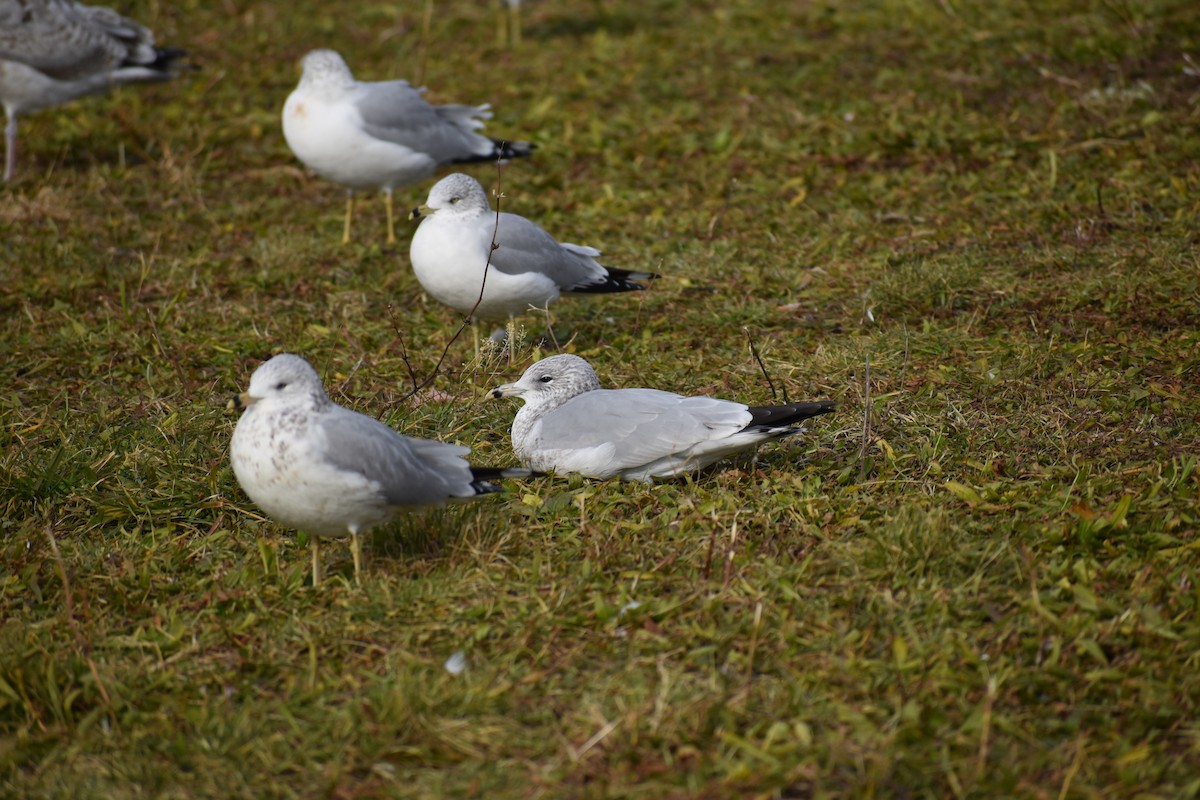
<point>54,51</point>
<point>570,424</point>
<point>329,471</point>
<point>379,135</point>
<point>529,268</point>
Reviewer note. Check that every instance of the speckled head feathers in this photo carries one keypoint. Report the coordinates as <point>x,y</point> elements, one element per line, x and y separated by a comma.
<point>286,378</point>
<point>458,193</point>
<point>325,68</point>
<point>552,380</point>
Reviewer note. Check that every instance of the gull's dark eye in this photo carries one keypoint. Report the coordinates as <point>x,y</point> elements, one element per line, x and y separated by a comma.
<point>545,379</point>
<point>454,200</point>
<point>279,387</point>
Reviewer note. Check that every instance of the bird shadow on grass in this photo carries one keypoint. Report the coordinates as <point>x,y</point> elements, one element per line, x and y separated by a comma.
<point>431,535</point>
<point>615,24</point>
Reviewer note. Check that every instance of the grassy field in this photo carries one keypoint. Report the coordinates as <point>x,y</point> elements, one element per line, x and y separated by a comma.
<point>978,579</point>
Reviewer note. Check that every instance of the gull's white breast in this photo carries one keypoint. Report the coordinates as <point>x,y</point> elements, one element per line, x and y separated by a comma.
<point>275,455</point>
<point>448,258</point>
<point>330,138</point>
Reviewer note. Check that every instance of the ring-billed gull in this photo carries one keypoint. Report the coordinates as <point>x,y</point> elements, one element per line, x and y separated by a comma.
<point>379,135</point>
<point>529,268</point>
<point>329,471</point>
<point>54,51</point>
<point>570,424</point>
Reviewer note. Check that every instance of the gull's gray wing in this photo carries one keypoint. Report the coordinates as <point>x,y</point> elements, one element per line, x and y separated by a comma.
<point>411,472</point>
<point>618,429</point>
<point>395,112</point>
<point>525,247</point>
<point>67,40</point>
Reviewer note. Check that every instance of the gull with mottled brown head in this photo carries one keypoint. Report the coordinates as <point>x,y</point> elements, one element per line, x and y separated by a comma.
<point>332,472</point>
<point>380,135</point>
<point>570,424</point>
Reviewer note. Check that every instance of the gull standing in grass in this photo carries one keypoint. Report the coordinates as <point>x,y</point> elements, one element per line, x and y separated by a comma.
<point>54,51</point>
<point>528,269</point>
<point>570,424</point>
<point>379,135</point>
<point>332,472</point>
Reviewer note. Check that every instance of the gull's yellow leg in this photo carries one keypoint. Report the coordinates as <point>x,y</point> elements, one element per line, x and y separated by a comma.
<point>391,226</point>
<point>349,214</point>
<point>315,547</point>
<point>356,551</point>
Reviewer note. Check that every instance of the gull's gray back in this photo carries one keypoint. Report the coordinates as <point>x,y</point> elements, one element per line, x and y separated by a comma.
<point>645,424</point>
<point>526,247</point>
<point>410,471</point>
<point>396,112</point>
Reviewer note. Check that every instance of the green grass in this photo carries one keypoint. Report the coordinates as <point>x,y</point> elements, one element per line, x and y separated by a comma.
<point>987,590</point>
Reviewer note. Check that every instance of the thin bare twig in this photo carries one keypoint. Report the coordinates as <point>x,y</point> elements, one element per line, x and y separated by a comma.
<point>341,389</point>
<point>417,387</point>
<point>412,373</point>
<point>763,367</point>
<point>487,267</point>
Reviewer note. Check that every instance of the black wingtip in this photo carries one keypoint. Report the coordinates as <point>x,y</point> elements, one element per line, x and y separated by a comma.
<point>165,61</point>
<point>503,151</point>
<point>506,149</point>
<point>617,280</point>
<point>779,416</point>
<point>483,478</point>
